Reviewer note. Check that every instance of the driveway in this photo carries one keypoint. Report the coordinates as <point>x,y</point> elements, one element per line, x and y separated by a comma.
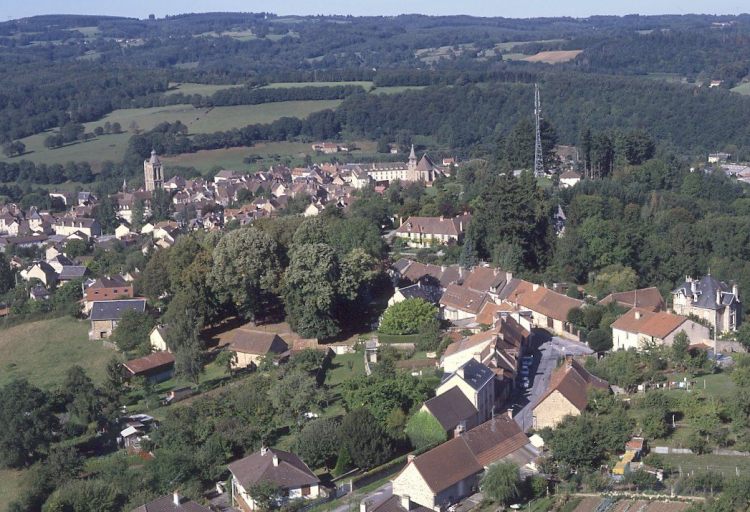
<point>547,351</point>
<point>375,498</point>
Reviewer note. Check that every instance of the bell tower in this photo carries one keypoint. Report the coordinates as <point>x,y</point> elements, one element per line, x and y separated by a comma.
<point>153,176</point>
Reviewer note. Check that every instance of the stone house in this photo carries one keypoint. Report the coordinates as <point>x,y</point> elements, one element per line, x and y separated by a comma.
<point>283,469</point>
<point>714,301</point>
<point>104,315</point>
<point>566,394</point>
<point>252,346</point>
<point>461,303</point>
<point>646,298</point>
<point>549,308</point>
<point>427,231</point>
<point>450,472</point>
<point>639,327</point>
<point>67,226</point>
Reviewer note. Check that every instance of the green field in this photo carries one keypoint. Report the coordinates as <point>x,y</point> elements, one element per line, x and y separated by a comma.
<point>11,485</point>
<point>743,88</point>
<point>43,351</point>
<point>203,120</point>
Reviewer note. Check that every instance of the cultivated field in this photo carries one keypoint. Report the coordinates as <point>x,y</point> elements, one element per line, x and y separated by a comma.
<point>553,57</point>
<point>43,351</point>
<point>203,120</point>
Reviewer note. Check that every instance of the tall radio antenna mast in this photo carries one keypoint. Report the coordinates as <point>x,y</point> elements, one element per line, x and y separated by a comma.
<point>538,157</point>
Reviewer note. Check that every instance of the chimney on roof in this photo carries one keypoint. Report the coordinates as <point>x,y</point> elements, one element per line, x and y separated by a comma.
<point>735,291</point>
<point>275,460</point>
<point>510,413</point>
<point>638,315</point>
<point>176,499</point>
<point>718,296</point>
<point>534,287</point>
<point>406,502</point>
<point>364,505</point>
<point>569,360</point>
<point>263,450</point>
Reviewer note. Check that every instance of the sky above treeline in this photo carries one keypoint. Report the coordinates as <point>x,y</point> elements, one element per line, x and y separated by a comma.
<point>11,9</point>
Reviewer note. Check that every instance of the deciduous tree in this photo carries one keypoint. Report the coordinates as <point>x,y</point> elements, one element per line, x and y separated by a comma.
<point>246,270</point>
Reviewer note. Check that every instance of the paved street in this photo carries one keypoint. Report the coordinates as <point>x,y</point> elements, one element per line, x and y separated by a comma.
<point>548,350</point>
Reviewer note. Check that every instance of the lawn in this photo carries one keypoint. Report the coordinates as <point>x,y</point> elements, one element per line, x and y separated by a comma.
<point>43,351</point>
<point>344,367</point>
<point>719,385</point>
<point>198,120</point>
<point>726,464</point>
<point>11,485</point>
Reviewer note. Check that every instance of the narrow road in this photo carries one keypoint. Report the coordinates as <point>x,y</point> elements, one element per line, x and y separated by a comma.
<point>547,352</point>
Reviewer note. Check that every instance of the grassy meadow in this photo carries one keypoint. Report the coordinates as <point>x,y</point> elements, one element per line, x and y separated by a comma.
<point>43,351</point>
<point>198,120</point>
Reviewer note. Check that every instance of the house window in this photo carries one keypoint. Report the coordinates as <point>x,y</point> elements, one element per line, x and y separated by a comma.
<point>305,490</point>
<point>550,323</point>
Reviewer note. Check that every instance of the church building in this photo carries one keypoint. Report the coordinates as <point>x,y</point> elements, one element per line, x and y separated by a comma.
<point>153,175</point>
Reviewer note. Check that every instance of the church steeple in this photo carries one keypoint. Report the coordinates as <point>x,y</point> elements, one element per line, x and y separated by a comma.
<point>412,158</point>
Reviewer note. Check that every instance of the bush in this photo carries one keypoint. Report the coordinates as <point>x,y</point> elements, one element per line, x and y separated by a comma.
<point>424,430</point>
<point>407,317</point>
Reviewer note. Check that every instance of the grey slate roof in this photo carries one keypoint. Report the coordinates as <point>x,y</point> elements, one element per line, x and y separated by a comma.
<point>429,293</point>
<point>72,272</point>
<point>474,373</point>
<point>113,309</point>
<point>705,291</point>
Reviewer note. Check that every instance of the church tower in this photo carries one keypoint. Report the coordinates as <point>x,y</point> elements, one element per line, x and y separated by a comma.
<point>152,172</point>
<point>412,159</point>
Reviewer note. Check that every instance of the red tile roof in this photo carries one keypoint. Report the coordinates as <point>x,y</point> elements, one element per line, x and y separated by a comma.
<point>573,381</point>
<point>647,298</point>
<point>643,321</point>
<point>149,362</point>
<point>542,300</point>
